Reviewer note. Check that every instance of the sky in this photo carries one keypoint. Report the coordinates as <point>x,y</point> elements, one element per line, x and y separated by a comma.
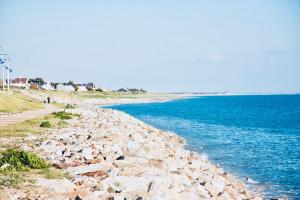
<point>160,45</point>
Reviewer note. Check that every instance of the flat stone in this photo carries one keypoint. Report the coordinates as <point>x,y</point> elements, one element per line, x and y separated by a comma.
<point>85,168</point>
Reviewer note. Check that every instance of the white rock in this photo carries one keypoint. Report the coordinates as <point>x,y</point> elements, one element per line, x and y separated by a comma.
<point>57,185</point>
<point>87,153</point>
<point>132,183</point>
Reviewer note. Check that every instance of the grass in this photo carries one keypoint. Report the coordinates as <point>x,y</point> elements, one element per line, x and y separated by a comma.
<point>18,102</point>
<point>34,126</point>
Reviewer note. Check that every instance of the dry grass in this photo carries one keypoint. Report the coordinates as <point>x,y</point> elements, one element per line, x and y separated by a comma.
<point>18,102</point>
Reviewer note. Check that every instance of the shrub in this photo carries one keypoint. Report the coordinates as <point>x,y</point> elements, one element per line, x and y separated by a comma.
<point>45,124</point>
<point>21,160</point>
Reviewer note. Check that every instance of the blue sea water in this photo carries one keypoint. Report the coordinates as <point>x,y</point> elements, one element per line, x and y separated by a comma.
<point>249,136</point>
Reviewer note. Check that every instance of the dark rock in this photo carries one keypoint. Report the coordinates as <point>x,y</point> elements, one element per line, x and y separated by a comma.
<point>202,183</point>
<point>71,155</point>
<point>78,197</point>
<point>139,198</point>
<point>120,158</point>
<point>149,187</point>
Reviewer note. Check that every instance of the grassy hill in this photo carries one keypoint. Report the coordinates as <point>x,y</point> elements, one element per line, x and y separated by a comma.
<point>18,102</point>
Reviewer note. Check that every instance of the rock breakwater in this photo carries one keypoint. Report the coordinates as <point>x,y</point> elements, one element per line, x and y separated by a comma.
<point>111,155</point>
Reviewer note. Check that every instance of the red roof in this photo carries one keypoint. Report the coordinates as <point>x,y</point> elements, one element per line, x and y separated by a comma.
<point>19,81</point>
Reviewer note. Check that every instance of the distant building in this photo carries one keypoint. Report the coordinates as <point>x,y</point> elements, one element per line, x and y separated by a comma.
<point>20,82</point>
<point>67,88</point>
<point>90,86</point>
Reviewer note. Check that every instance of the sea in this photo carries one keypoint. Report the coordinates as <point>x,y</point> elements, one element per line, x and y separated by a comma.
<point>254,137</point>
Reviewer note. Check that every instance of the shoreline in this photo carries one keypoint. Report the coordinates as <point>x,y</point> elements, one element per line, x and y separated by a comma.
<point>249,183</point>
<point>111,102</point>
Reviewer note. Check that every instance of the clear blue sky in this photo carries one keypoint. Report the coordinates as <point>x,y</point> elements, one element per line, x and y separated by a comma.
<point>165,46</point>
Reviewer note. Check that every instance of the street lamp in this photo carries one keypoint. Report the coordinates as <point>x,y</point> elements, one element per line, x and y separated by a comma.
<point>8,71</point>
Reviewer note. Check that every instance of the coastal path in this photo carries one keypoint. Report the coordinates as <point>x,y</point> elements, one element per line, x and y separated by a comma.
<point>11,118</point>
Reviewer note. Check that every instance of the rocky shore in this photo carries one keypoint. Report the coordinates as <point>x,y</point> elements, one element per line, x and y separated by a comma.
<point>111,155</point>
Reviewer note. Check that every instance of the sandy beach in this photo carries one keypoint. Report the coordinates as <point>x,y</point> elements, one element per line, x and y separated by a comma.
<point>111,155</point>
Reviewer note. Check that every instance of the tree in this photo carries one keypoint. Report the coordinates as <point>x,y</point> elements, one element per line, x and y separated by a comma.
<point>38,81</point>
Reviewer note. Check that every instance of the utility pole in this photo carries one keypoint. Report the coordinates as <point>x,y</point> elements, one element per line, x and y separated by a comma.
<point>3,68</point>
<point>5,64</point>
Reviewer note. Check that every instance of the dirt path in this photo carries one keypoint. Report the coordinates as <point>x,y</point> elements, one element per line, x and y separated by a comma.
<point>6,119</point>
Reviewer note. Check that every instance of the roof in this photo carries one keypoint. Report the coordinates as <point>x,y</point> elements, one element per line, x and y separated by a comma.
<point>19,81</point>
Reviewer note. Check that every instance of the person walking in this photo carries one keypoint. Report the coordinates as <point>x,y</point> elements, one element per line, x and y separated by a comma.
<point>48,99</point>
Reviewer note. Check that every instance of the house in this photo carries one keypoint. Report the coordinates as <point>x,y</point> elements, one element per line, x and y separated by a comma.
<point>20,82</point>
<point>47,86</point>
<point>67,88</point>
<point>90,86</point>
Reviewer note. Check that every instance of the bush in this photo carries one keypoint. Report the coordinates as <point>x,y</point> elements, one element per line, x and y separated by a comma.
<point>21,160</point>
<point>45,124</point>
<point>69,106</point>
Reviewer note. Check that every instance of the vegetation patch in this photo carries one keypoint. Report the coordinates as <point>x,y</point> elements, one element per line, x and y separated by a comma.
<point>65,115</point>
<point>18,167</point>
<point>11,179</point>
<point>19,160</point>
<point>52,173</point>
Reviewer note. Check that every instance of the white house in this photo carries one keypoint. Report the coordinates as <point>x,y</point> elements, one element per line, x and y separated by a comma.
<point>67,88</point>
<point>47,86</point>
<point>82,88</point>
